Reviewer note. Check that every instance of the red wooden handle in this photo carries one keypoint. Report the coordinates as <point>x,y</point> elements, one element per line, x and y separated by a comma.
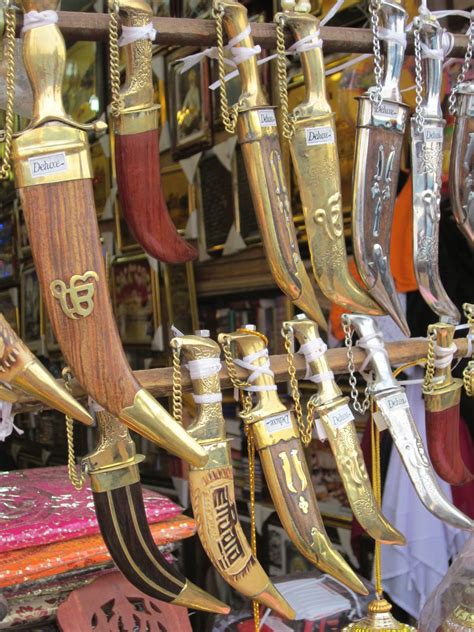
<point>442,431</point>
<point>137,158</point>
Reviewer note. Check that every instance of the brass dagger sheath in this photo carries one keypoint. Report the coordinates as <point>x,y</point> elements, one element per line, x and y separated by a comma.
<point>333,411</point>
<point>315,158</point>
<point>286,471</point>
<point>212,487</point>
<point>258,135</point>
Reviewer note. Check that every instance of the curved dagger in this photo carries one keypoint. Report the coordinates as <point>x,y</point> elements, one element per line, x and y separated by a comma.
<point>442,402</point>
<point>115,483</point>
<point>258,135</point>
<point>379,141</point>
<point>461,165</point>
<point>212,487</point>
<point>392,403</point>
<point>54,180</point>
<point>427,159</point>
<point>315,158</point>
<point>137,152</point>
<point>20,369</point>
<point>338,422</point>
<point>284,464</point>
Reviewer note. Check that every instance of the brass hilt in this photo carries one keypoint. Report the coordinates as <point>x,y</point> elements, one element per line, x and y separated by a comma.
<point>444,338</point>
<point>137,91</point>
<point>444,391</point>
<point>245,342</point>
<point>44,56</point>
<point>209,424</point>
<point>114,462</point>
<point>312,61</point>
<point>306,330</point>
<point>235,21</point>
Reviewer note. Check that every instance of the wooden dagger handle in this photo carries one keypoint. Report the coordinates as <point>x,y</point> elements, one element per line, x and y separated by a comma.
<point>137,158</point>
<point>63,233</point>
<point>442,433</point>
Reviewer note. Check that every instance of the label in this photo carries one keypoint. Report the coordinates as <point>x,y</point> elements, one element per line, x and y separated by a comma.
<point>379,420</point>
<point>267,118</point>
<point>395,402</point>
<point>318,431</point>
<point>278,422</point>
<point>340,417</point>
<point>433,134</point>
<point>388,109</point>
<point>44,165</point>
<point>319,135</point>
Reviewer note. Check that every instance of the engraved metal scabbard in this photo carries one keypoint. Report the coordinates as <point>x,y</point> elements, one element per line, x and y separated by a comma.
<point>427,159</point>
<point>332,408</point>
<point>442,403</point>
<point>461,165</point>
<point>258,135</point>
<point>20,369</point>
<point>281,452</point>
<point>212,488</point>
<point>392,402</point>
<point>379,140</point>
<point>315,158</point>
<point>115,483</point>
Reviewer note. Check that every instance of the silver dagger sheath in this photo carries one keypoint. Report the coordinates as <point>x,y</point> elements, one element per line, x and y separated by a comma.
<point>461,166</point>
<point>393,404</point>
<point>379,140</point>
<point>427,131</point>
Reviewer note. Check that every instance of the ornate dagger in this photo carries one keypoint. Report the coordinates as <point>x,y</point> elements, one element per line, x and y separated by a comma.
<point>212,486</point>
<point>314,154</point>
<point>393,405</point>
<point>54,180</point>
<point>258,134</point>
<point>427,132</point>
<point>283,459</point>
<point>331,407</point>
<point>115,482</point>
<point>137,152</point>
<point>461,165</point>
<point>379,139</point>
<point>442,394</point>
<point>20,369</point>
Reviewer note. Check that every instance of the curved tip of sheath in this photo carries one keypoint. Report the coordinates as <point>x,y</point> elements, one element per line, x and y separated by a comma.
<point>271,598</point>
<point>194,597</point>
<point>457,519</point>
<point>153,422</point>
<point>386,533</point>
<point>38,382</point>
<point>313,310</point>
<point>332,562</point>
